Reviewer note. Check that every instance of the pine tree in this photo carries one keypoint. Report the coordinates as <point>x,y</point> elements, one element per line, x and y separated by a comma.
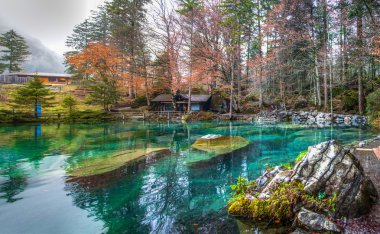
<point>187,10</point>
<point>14,51</point>
<point>32,94</point>
<point>127,22</point>
<point>81,36</point>
<point>104,92</point>
<point>100,25</point>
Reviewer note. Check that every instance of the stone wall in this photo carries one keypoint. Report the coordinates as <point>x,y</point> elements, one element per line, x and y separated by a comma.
<point>314,118</point>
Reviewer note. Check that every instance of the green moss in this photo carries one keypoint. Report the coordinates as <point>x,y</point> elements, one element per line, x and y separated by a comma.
<point>288,166</point>
<point>301,156</point>
<point>221,145</point>
<point>241,187</point>
<point>279,207</point>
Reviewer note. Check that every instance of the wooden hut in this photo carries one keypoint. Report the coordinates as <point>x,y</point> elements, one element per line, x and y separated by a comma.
<point>164,102</point>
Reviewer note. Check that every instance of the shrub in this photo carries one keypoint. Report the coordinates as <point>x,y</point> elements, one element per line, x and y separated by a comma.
<point>69,102</point>
<point>139,101</point>
<point>350,100</point>
<point>373,103</point>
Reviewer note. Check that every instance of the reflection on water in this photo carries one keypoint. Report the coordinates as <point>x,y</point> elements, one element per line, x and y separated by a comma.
<point>184,191</point>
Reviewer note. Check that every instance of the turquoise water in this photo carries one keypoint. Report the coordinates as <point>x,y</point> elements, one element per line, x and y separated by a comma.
<point>179,193</point>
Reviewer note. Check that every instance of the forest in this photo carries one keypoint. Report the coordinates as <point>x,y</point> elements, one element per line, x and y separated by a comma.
<point>255,53</point>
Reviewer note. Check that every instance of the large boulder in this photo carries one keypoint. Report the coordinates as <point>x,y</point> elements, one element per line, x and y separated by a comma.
<point>330,169</point>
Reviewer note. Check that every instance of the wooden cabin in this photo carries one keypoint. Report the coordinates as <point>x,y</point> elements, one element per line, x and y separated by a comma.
<point>164,102</point>
<point>46,78</point>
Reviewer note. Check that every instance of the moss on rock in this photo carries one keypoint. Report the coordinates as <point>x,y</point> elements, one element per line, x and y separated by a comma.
<point>278,207</point>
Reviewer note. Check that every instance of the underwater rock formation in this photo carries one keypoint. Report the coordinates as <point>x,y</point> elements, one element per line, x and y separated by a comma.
<point>221,144</point>
<point>101,165</point>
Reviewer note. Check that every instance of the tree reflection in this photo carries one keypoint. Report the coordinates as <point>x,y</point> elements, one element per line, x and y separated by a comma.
<point>16,182</point>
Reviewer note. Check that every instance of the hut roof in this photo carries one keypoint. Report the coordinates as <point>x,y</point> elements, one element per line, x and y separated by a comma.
<point>194,98</point>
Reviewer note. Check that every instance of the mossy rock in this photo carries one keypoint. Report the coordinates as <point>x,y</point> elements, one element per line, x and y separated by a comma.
<point>100,165</point>
<point>220,145</point>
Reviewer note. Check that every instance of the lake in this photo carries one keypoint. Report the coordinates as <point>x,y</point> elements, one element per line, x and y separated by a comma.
<point>182,191</point>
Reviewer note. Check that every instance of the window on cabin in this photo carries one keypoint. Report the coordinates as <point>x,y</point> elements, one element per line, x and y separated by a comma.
<point>195,107</point>
<point>52,79</point>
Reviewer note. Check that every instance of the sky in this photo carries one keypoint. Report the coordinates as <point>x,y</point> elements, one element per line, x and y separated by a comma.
<point>49,21</point>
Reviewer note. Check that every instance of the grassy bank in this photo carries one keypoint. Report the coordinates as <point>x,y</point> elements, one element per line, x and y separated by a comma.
<point>81,112</point>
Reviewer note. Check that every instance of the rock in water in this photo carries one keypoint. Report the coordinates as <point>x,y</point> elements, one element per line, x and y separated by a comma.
<point>329,169</point>
<point>316,222</point>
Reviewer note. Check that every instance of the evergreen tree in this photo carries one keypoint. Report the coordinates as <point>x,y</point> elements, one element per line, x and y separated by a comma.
<point>105,92</point>
<point>82,34</point>
<point>188,10</point>
<point>70,102</point>
<point>100,23</point>
<point>127,23</point>
<point>32,94</point>
<point>14,51</point>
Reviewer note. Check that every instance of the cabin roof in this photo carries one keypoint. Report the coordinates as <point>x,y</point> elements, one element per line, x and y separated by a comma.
<point>194,98</point>
<point>39,74</point>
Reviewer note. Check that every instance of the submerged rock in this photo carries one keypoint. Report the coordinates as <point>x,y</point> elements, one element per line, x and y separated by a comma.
<point>329,169</point>
<point>220,144</point>
<point>101,165</point>
<point>314,222</point>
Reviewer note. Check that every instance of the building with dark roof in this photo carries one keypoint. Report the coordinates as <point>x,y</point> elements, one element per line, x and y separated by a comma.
<point>164,102</point>
<point>46,78</point>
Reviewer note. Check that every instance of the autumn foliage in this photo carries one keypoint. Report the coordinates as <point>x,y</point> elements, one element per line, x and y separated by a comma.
<point>98,60</point>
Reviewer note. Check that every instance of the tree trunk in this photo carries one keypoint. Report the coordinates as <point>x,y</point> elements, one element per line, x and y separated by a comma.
<point>232,84</point>
<point>191,62</point>
<point>359,25</point>
<point>325,104</point>
<point>260,58</point>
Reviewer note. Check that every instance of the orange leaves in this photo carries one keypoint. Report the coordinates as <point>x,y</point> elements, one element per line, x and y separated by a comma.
<point>97,60</point>
<point>376,47</point>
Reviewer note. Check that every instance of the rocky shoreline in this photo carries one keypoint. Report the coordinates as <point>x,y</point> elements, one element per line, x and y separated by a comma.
<point>314,117</point>
<point>326,191</point>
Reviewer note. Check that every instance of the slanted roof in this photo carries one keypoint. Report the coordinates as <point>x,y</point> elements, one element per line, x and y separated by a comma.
<point>197,97</point>
<point>39,74</point>
<point>194,98</point>
<point>163,98</point>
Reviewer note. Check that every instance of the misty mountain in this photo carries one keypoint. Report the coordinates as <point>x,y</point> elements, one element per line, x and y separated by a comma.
<point>42,59</point>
